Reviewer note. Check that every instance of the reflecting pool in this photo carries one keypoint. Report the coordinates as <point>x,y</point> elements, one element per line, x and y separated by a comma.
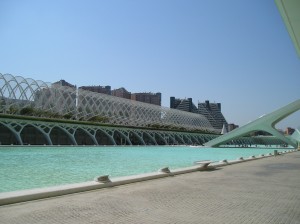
<point>36,167</point>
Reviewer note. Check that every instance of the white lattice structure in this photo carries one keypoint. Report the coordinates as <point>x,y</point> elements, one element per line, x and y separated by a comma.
<point>17,93</point>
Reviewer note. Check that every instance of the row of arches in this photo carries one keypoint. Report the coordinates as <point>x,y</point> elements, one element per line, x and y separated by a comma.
<point>25,132</point>
<point>23,96</point>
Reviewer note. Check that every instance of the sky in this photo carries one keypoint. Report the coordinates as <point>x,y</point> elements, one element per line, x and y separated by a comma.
<point>234,52</point>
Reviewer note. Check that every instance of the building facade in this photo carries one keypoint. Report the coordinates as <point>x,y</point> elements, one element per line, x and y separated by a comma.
<point>232,127</point>
<point>98,89</point>
<point>183,104</point>
<point>289,131</point>
<point>152,98</point>
<point>121,92</point>
<point>212,111</point>
<point>64,83</point>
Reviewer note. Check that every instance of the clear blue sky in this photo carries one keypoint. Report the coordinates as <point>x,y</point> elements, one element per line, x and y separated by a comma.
<point>236,52</point>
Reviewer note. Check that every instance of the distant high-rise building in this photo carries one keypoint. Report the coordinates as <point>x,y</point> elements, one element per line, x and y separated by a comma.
<point>232,127</point>
<point>152,98</point>
<point>121,92</point>
<point>61,92</point>
<point>97,89</point>
<point>289,131</point>
<point>212,111</point>
<point>183,104</point>
<point>64,83</point>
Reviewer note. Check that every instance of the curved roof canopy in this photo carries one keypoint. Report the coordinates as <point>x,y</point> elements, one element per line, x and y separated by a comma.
<point>290,12</point>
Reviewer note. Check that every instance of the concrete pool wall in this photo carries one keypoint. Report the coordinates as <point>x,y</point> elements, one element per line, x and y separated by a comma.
<point>105,181</point>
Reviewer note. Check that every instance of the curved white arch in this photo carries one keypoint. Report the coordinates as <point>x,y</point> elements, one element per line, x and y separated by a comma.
<point>55,100</point>
<point>265,123</point>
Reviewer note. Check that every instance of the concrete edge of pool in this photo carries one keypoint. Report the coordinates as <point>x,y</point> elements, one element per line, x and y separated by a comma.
<point>42,193</point>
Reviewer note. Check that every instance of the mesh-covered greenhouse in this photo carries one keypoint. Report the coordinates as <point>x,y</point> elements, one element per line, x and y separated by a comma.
<point>25,96</point>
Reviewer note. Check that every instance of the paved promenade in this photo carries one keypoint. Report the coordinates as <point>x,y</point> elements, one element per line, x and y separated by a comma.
<point>260,191</point>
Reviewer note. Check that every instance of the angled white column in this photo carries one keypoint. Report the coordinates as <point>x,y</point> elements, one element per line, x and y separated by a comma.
<point>295,137</point>
<point>265,123</point>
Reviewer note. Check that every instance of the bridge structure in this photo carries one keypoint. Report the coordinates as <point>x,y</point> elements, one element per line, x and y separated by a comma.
<point>265,123</point>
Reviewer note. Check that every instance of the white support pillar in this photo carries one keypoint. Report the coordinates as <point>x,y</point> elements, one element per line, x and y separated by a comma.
<point>265,123</point>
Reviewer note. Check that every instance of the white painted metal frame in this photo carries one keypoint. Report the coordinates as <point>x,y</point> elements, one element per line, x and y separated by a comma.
<point>265,123</point>
<point>17,93</point>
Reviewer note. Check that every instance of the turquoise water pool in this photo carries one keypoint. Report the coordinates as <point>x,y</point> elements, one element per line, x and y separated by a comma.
<point>36,167</point>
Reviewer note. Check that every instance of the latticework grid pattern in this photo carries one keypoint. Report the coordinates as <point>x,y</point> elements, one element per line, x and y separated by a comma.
<point>53,100</point>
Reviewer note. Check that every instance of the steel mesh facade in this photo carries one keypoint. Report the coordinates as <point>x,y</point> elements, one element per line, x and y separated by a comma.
<point>52,100</point>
